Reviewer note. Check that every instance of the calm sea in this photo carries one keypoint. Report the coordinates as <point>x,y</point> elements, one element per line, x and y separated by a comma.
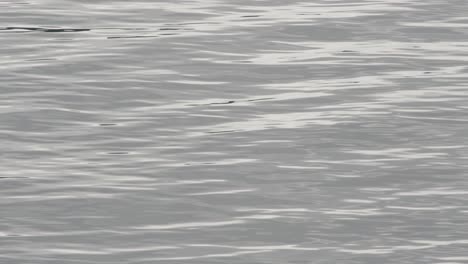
<point>233,132</point>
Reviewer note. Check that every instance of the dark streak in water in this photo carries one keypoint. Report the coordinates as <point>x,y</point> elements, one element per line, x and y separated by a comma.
<point>218,103</point>
<point>232,101</point>
<point>261,99</point>
<point>222,131</point>
<point>107,124</point>
<point>48,29</point>
<point>228,102</point>
<point>42,60</point>
<point>128,37</point>
<point>118,153</point>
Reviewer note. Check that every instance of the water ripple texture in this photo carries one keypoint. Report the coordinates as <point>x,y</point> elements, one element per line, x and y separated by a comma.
<point>220,131</point>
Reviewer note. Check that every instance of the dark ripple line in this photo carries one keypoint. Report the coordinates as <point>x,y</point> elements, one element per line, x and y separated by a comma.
<point>48,29</point>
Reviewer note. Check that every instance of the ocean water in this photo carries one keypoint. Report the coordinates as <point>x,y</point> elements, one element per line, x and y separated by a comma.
<point>240,132</point>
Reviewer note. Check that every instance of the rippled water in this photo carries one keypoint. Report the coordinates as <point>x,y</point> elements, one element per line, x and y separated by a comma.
<point>216,131</point>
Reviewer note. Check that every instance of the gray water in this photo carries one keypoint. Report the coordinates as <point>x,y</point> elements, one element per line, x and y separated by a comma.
<point>221,131</point>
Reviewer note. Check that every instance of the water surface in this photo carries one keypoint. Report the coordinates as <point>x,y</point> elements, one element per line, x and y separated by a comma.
<point>216,131</point>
